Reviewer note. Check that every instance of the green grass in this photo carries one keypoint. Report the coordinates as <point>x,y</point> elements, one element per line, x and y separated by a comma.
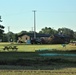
<point>68,71</point>
<point>28,52</point>
<point>32,48</point>
<point>31,60</point>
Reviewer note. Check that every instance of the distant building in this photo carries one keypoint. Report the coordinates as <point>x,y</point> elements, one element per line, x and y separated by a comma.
<point>43,38</point>
<point>30,36</point>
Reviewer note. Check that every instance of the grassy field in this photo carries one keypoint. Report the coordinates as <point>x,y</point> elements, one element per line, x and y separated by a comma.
<point>32,48</point>
<point>67,71</point>
<point>25,61</point>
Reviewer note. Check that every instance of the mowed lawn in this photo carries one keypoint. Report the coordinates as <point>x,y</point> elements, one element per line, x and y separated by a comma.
<point>25,48</point>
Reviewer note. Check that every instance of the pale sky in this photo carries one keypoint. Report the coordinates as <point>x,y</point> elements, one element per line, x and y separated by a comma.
<point>18,15</point>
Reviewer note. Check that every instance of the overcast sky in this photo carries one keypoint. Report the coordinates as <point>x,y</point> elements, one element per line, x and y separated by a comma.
<point>18,15</point>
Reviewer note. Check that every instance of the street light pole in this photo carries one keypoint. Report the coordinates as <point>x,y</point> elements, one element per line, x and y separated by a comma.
<point>34,24</point>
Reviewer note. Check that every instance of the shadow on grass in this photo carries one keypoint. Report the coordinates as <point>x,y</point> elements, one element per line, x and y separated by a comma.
<point>32,60</point>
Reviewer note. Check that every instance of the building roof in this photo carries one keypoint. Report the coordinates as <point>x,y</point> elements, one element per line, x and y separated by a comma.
<point>37,35</point>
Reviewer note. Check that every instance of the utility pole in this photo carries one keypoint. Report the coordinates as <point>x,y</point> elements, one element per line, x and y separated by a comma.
<point>34,24</point>
<point>8,34</point>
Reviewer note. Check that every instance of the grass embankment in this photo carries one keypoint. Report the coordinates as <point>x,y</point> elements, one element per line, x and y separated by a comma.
<point>27,59</point>
<point>33,61</point>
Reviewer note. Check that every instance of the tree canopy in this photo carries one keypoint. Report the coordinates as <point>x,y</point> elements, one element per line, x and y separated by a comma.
<point>64,31</point>
<point>48,30</point>
<point>67,31</point>
<point>1,29</point>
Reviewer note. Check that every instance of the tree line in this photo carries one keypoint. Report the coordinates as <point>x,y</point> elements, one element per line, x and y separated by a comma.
<point>10,36</point>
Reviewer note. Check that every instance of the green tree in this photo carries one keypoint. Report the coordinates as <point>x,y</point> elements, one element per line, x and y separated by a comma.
<point>74,35</point>
<point>5,38</point>
<point>66,31</point>
<point>48,30</point>
<point>11,36</point>
<point>22,32</point>
<point>1,30</point>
